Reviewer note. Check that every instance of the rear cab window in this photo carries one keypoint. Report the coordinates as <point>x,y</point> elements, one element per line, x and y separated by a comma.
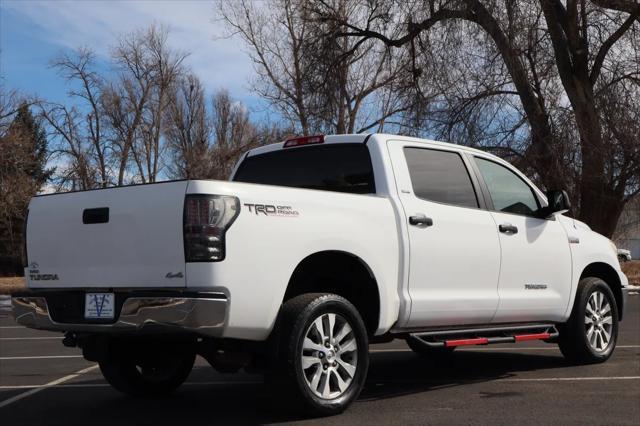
<point>440,176</point>
<point>340,167</point>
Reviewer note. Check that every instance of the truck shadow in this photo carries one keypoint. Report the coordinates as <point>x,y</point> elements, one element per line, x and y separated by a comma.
<point>397,374</point>
<point>242,399</point>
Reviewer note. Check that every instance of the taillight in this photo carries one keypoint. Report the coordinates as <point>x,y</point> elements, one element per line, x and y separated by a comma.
<point>303,140</point>
<point>206,220</point>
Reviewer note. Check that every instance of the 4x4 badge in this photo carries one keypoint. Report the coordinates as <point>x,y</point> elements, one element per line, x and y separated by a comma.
<point>172,275</point>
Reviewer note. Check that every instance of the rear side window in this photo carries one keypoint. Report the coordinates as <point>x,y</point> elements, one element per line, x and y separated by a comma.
<point>334,167</point>
<point>509,192</point>
<point>440,176</point>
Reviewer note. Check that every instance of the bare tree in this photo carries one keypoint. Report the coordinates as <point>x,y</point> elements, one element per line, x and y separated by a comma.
<point>207,139</point>
<point>153,114</point>
<point>169,69</point>
<point>79,136</point>
<point>233,132</point>
<point>578,39</point>
<point>316,79</point>
<point>134,104</point>
<point>275,36</point>
<point>188,130</point>
<point>66,123</point>
<point>9,104</point>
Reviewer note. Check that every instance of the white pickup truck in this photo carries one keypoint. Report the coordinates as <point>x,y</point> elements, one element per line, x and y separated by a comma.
<point>315,248</point>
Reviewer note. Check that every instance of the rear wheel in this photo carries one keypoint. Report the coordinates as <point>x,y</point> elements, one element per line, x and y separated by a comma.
<point>591,333</point>
<point>323,352</point>
<point>146,370</point>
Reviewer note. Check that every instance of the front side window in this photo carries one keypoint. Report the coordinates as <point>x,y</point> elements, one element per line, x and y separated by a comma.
<point>508,191</point>
<point>440,176</point>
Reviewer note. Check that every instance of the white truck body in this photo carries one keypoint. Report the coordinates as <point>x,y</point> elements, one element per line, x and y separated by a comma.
<point>460,271</point>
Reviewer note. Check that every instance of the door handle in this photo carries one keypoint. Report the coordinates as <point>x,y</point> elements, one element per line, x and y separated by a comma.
<point>508,228</point>
<point>420,220</point>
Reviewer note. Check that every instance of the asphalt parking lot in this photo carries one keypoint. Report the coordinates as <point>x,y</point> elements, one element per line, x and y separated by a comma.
<point>44,383</point>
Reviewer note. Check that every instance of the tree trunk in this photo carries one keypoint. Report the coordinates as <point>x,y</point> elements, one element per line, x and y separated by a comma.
<point>600,206</point>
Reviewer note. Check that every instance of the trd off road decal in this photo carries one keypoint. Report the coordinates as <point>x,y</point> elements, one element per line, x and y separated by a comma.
<point>272,210</point>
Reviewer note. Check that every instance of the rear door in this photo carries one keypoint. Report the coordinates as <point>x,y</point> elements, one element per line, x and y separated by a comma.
<point>118,237</point>
<point>454,248</point>
<point>535,272</point>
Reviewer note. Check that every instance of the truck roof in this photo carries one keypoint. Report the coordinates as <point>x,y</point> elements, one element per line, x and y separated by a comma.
<point>365,138</point>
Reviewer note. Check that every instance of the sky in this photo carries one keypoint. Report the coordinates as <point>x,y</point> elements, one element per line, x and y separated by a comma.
<point>32,32</point>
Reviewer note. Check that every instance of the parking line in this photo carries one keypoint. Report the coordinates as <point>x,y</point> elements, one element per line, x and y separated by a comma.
<point>31,338</point>
<point>568,379</point>
<point>258,382</point>
<point>14,358</point>
<point>11,326</point>
<point>48,385</point>
<point>107,385</point>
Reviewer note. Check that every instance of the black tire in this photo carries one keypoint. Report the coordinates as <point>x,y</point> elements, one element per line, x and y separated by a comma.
<point>287,374</point>
<point>427,352</point>
<point>148,369</point>
<point>581,330</point>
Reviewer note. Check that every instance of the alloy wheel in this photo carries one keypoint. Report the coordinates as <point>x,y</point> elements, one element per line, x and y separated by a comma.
<point>329,356</point>
<point>598,321</point>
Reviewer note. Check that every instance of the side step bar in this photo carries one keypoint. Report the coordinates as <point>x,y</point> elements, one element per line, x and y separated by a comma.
<point>485,336</point>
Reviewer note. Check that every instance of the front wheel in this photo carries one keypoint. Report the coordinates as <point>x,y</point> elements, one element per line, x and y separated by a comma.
<point>323,356</point>
<point>590,334</point>
<point>146,370</point>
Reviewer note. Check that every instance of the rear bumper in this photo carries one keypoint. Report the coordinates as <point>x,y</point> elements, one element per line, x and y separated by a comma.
<point>203,313</point>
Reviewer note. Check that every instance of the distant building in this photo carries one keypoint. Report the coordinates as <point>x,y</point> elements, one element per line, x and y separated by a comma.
<point>627,235</point>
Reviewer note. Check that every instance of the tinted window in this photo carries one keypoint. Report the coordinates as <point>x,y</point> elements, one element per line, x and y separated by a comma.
<point>440,176</point>
<point>508,192</point>
<point>339,167</point>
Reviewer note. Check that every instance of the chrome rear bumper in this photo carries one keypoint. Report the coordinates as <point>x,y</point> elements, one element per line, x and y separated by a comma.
<point>201,315</point>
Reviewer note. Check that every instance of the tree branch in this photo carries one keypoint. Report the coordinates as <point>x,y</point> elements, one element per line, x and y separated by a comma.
<point>608,44</point>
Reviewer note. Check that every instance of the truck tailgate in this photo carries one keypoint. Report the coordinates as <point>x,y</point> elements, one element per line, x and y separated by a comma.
<point>117,237</point>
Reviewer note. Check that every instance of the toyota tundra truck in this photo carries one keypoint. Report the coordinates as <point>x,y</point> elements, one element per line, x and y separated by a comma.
<point>314,249</point>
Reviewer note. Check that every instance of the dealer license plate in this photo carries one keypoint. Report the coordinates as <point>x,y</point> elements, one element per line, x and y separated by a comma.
<point>99,305</point>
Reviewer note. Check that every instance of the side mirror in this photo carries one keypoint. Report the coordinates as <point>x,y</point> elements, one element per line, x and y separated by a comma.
<point>558,202</point>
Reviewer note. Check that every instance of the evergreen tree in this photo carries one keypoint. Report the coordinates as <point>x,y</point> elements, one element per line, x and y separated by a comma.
<point>35,138</point>
<point>23,172</point>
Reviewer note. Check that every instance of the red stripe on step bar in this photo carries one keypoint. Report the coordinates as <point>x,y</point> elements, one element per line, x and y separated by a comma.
<point>523,337</point>
<point>465,342</point>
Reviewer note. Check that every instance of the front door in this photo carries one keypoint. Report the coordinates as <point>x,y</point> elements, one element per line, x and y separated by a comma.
<point>453,243</point>
<point>535,273</point>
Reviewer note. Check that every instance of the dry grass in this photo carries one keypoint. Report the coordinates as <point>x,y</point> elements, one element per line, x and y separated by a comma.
<point>10,285</point>
<point>632,270</point>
